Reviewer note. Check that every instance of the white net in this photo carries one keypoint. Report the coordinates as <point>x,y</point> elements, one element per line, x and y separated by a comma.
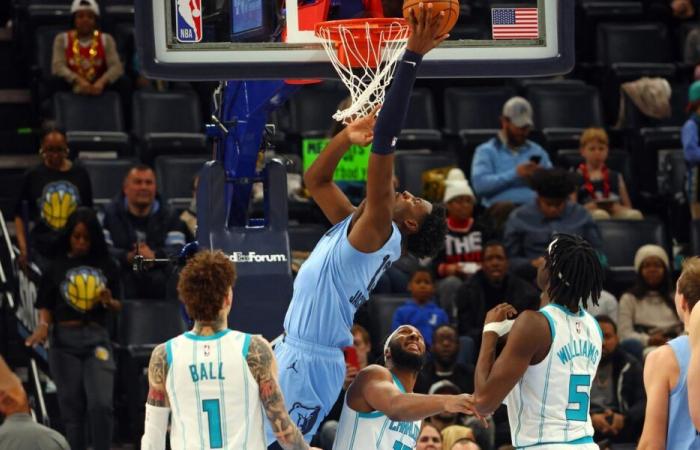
<point>373,51</point>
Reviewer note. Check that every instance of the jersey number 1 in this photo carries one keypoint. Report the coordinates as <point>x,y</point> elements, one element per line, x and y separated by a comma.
<point>213,410</point>
<point>580,397</point>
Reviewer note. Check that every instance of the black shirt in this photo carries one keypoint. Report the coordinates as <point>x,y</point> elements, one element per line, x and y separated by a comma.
<point>70,287</point>
<point>461,375</point>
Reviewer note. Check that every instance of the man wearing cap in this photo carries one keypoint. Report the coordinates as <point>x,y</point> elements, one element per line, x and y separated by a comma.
<point>85,58</point>
<point>691,148</point>
<point>502,165</point>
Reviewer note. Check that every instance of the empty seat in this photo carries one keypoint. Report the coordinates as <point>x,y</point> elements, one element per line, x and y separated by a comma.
<point>410,167</point>
<point>43,45</point>
<point>646,148</point>
<point>311,109</point>
<point>167,123</point>
<point>106,177</point>
<point>303,238</point>
<point>381,310</point>
<point>92,123</point>
<point>474,108</point>
<point>671,175</point>
<point>420,130</point>
<point>695,237</point>
<point>633,43</point>
<point>635,119</point>
<point>565,105</point>
<point>174,177</point>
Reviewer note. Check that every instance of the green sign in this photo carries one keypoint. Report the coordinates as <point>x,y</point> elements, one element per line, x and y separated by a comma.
<point>353,166</point>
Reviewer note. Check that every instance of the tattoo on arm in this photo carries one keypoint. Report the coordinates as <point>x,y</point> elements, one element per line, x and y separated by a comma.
<point>157,368</point>
<point>262,365</point>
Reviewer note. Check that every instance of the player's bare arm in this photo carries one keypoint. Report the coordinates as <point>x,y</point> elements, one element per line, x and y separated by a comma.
<point>157,368</point>
<point>263,366</point>
<point>374,390</point>
<point>660,376</point>
<point>528,342</point>
<point>694,367</point>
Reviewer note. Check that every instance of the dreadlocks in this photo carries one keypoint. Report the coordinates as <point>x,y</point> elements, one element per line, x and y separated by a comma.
<point>575,272</point>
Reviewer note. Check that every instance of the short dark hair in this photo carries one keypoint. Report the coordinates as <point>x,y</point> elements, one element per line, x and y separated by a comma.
<point>606,319</point>
<point>445,325</point>
<point>86,216</point>
<point>575,272</point>
<point>204,283</point>
<point>493,243</point>
<point>553,183</point>
<point>422,269</point>
<point>430,238</point>
<point>139,167</point>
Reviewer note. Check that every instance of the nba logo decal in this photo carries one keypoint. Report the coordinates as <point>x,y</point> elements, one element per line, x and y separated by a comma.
<point>207,350</point>
<point>578,327</point>
<point>189,20</point>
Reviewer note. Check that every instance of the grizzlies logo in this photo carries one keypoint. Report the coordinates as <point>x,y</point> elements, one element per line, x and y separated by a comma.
<point>82,287</point>
<point>304,416</point>
<point>57,202</point>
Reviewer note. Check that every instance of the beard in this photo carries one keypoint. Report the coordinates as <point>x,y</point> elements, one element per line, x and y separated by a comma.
<point>405,360</point>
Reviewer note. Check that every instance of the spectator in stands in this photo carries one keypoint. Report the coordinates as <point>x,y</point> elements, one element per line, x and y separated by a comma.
<point>647,310</point>
<point>74,300</point>
<point>530,227</point>
<point>455,435</point>
<point>603,191</point>
<point>429,437</point>
<point>691,149</point>
<point>420,311</point>
<point>489,287</point>
<point>503,165</point>
<point>50,192</point>
<point>84,58</point>
<point>444,419</point>
<point>683,9</point>
<point>137,223</point>
<point>607,306</point>
<point>19,431</point>
<point>617,392</point>
<point>443,363</point>
<point>461,256</point>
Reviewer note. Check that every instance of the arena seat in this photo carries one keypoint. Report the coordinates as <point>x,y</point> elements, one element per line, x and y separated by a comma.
<point>635,119</point>
<point>564,105</point>
<point>92,123</point>
<point>420,129</point>
<point>695,237</point>
<point>474,108</point>
<point>174,177</point>
<point>381,312</point>
<point>106,177</point>
<point>409,168</point>
<point>167,123</point>
<point>623,43</point>
<point>311,109</point>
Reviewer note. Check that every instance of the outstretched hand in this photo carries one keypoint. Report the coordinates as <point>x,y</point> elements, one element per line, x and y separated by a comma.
<point>424,27</point>
<point>361,131</point>
<point>464,404</point>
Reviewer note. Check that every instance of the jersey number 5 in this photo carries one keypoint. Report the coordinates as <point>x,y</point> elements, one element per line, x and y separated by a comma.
<point>579,394</point>
<point>213,410</point>
<point>399,446</point>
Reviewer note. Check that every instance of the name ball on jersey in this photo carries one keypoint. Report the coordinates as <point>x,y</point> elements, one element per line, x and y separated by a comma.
<point>448,21</point>
<point>207,371</point>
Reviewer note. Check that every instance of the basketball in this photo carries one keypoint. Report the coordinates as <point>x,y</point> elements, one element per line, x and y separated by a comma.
<point>451,8</point>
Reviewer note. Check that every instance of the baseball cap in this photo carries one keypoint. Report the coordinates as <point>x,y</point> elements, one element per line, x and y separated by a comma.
<point>518,111</point>
<point>85,5</point>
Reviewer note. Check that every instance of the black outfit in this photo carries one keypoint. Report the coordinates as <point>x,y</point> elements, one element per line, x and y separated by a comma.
<point>584,196</point>
<point>461,375</point>
<point>477,296</point>
<point>47,198</point>
<point>630,398</point>
<point>162,230</point>
<point>81,357</point>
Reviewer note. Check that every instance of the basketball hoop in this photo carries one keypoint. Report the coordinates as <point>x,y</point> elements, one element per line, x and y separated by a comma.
<point>364,53</point>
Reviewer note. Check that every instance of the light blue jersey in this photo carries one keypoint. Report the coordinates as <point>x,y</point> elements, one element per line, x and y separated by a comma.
<point>335,281</point>
<point>681,432</point>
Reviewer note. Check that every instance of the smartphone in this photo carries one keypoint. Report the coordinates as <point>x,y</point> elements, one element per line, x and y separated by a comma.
<point>351,357</point>
<point>536,159</point>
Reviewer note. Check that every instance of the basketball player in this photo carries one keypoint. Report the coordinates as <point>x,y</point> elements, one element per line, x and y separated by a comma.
<point>349,259</point>
<point>667,422</point>
<point>544,372</point>
<point>694,367</point>
<point>219,383</point>
<point>380,411</point>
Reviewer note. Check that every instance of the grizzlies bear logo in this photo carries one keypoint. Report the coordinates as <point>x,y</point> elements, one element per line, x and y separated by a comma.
<point>81,287</point>
<point>57,202</point>
<point>304,416</point>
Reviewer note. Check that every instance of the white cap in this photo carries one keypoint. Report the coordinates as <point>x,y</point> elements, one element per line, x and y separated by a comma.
<point>518,111</point>
<point>85,5</point>
<point>456,185</point>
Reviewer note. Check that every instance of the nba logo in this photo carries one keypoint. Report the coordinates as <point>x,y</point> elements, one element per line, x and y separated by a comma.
<point>578,327</point>
<point>189,20</point>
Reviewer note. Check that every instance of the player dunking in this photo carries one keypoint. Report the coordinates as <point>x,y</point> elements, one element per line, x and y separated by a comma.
<point>218,383</point>
<point>544,372</point>
<point>380,411</point>
<point>349,259</point>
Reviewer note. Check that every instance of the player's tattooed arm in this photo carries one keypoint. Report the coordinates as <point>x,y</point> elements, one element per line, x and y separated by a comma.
<point>263,366</point>
<point>157,368</point>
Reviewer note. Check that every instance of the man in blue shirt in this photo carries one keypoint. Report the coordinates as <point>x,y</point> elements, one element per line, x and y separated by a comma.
<point>691,149</point>
<point>503,165</point>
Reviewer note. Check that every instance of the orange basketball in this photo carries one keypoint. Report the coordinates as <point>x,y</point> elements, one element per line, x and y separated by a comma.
<point>451,8</point>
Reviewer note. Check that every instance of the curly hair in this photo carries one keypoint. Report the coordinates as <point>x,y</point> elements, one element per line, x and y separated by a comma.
<point>553,183</point>
<point>204,284</point>
<point>430,238</point>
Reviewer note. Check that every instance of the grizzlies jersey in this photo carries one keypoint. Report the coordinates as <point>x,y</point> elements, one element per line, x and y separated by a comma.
<point>550,405</point>
<point>681,431</point>
<point>374,430</point>
<point>214,399</point>
<point>332,283</point>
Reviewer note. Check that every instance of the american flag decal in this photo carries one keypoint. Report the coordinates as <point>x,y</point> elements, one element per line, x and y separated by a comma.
<point>514,23</point>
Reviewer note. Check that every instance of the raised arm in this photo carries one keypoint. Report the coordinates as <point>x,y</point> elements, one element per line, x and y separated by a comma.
<point>694,367</point>
<point>157,405</point>
<point>263,366</point>
<point>374,388</point>
<point>656,384</point>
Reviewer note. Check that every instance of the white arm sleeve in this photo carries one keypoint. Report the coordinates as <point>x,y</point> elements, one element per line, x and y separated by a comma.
<point>155,427</point>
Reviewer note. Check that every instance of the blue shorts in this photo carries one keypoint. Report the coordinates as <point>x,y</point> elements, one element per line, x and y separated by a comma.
<point>311,377</point>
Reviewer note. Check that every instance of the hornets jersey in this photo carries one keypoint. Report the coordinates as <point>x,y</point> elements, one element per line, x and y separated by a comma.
<point>549,407</point>
<point>214,398</point>
<point>374,430</point>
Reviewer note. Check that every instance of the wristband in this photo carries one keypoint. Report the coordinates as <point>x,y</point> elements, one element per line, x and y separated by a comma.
<point>500,328</point>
